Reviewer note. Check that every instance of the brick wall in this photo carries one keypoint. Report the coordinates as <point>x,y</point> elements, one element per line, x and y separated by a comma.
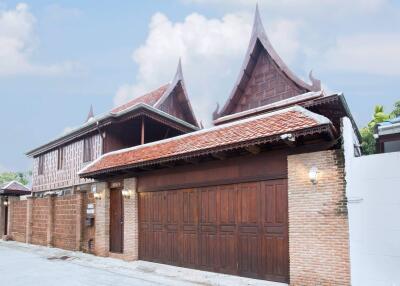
<point>40,220</point>
<point>64,228</point>
<point>131,221</point>
<point>102,221</point>
<point>88,233</point>
<point>18,217</point>
<point>318,222</point>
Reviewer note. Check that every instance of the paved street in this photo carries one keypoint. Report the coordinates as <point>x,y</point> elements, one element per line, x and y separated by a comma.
<point>22,265</point>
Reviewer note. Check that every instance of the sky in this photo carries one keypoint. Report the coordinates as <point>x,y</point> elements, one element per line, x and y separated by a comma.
<point>59,57</point>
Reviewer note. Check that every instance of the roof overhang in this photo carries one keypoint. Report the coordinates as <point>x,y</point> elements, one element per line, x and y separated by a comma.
<point>109,118</point>
<point>322,126</point>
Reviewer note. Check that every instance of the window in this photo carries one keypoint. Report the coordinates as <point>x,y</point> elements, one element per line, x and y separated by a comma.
<point>88,153</point>
<point>60,158</point>
<point>41,165</point>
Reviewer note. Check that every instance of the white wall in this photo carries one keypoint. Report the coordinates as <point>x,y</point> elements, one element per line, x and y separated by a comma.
<point>373,191</point>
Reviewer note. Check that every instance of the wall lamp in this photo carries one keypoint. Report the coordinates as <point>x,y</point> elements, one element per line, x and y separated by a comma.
<point>313,175</point>
<point>126,193</point>
<point>97,196</point>
<point>5,203</point>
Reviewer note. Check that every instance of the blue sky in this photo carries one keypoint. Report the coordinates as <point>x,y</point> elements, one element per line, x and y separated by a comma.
<point>58,57</point>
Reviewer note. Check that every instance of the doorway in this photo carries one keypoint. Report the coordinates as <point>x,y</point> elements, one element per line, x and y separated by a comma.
<point>116,221</point>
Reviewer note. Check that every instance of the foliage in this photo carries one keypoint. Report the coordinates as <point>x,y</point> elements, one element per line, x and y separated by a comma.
<point>396,110</point>
<point>367,133</point>
<point>6,177</point>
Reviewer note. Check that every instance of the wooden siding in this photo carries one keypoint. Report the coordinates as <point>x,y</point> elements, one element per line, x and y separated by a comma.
<point>53,178</point>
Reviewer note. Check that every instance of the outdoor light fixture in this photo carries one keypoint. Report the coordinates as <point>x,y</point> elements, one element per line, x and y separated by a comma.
<point>5,203</point>
<point>313,175</point>
<point>97,196</point>
<point>126,193</point>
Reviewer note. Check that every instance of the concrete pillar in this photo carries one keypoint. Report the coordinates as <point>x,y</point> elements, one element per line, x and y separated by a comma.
<point>131,221</point>
<point>29,213</point>
<point>79,219</point>
<point>102,220</point>
<point>50,220</point>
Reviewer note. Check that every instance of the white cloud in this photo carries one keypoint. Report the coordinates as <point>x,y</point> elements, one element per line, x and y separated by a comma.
<point>305,6</point>
<point>365,53</point>
<point>212,51</point>
<point>17,43</point>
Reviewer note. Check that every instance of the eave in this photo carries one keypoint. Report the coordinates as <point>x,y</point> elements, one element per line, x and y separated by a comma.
<point>109,118</point>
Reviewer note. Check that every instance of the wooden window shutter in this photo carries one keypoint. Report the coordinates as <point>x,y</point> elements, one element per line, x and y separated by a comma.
<point>41,165</point>
<point>60,161</point>
<point>88,147</point>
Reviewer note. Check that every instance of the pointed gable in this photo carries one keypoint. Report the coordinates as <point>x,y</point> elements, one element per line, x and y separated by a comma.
<point>264,78</point>
<point>175,100</point>
<point>171,98</point>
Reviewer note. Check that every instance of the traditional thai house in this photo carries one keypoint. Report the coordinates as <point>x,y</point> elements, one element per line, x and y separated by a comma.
<point>163,113</point>
<point>260,194</point>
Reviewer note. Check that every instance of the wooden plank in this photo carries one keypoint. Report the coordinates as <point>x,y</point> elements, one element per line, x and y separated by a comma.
<point>235,229</point>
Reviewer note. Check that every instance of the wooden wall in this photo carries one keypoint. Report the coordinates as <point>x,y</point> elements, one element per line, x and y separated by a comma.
<point>68,176</point>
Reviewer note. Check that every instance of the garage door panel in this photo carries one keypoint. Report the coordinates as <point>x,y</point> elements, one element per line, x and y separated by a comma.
<point>249,203</point>
<point>228,204</point>
<point>274,259</point>
<point>190,250</point>
<point>228,253</point>
<point>249,255</point>
<point>235,229</point>
<point>209,251</point>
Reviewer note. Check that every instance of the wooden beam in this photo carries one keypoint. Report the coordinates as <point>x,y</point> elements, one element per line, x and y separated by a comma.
<point>253,149</point>
<point>142,132</point>
<point>219,155</point>
<point>193,161</point>
<point>168,164</point>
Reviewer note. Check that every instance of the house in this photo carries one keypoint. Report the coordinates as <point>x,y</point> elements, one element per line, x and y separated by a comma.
<point>388,136</point>
<point>162,113</point>
<point>8,191</point>
<point>260,194</point>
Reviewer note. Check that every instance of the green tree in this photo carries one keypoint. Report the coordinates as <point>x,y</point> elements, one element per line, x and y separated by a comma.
<point>396,110</point>
<point>367,133</point>
<point>6,177</point>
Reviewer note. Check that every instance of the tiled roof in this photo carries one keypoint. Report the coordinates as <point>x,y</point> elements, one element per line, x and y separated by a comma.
<point>149,98</point>
<point>14,188</point>
<point>254,129</point>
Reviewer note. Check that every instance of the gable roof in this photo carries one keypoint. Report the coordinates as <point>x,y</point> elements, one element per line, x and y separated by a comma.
<point>14,188</point>
<point>149,98</point>
<point>258,36</point>
<point>255,130</point>
<point>150,102</point>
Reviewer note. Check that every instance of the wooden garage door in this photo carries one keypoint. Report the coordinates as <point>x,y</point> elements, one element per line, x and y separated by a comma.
<point>237,229</point>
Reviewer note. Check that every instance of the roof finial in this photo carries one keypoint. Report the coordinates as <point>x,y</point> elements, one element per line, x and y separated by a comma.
<point>179,73</point>
<point>90,114</point>
<point>315,83</point>
<point>257,25</point>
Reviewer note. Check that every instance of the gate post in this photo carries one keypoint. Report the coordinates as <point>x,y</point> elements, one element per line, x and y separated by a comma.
<point>131,220</point>
<point>50,220</point>
<point>79,219</point>
<point>29,213</point>
<point>102,220</point>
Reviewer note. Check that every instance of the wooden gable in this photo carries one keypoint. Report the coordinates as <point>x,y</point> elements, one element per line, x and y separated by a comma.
<point>175,100</point>
<point>264,78</point>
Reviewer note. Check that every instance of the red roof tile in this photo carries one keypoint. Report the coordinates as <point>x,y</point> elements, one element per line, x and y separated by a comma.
<point>251,129</point>
<point>149,98</point>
